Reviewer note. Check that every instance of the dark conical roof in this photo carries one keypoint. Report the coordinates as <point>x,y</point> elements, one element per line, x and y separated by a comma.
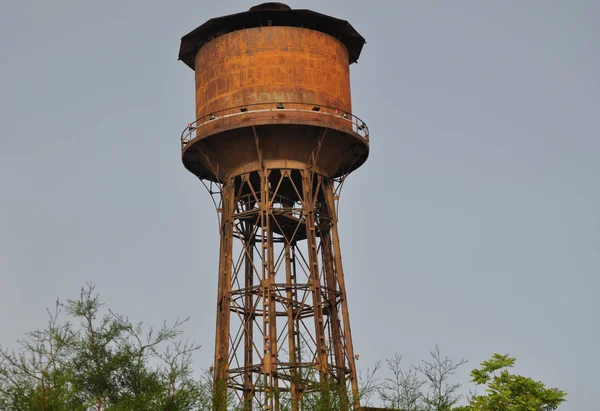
<point>272,14</point>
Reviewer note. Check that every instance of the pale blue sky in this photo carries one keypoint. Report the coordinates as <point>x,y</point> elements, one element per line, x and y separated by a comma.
<point>474,223</point>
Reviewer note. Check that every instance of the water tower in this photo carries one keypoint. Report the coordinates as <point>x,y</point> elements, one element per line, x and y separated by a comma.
<point>273,140</point>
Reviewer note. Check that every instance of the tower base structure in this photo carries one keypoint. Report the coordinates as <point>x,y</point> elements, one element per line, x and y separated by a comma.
<point>283,331</point>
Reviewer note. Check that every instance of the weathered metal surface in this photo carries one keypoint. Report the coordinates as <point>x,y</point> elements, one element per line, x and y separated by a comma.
<point>225,154</point>
<point>269,113</point>
<point>217,145</point>
<point>274,139</point>
<point>272,65</point>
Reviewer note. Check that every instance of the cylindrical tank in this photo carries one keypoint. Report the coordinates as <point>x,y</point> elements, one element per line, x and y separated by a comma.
<point>273,88</point>
<point>272,65</point>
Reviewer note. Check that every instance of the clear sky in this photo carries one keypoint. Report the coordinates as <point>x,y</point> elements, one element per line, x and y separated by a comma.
<point>474,224</point>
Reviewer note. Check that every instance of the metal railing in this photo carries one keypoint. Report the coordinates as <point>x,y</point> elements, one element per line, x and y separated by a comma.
<point>358,126</point>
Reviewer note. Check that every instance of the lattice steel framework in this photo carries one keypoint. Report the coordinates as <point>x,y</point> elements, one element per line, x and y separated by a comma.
<point>283,327</point>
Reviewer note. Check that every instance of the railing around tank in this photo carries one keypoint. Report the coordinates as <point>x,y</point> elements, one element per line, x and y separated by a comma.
<point>358,126</point>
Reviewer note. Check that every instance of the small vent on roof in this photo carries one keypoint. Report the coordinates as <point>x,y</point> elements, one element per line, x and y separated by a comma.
<point>270,6</point>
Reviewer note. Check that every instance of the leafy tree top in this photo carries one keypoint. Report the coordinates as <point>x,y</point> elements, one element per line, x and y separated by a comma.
<point>510,392</point>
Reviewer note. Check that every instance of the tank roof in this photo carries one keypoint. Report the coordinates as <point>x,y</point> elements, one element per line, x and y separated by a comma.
<point>271,14</point>
<point>270,6</point>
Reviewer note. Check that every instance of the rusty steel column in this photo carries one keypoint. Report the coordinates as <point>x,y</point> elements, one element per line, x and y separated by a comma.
<point>248,312</point>
<point>292,298</point>
<point>332,304</point>
<point>310,199</point>
<point>330,201</point>
<point>224,290</point>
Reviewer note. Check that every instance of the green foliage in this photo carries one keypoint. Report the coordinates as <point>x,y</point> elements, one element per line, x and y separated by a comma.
<point>99,360</point>
<point>102,361</point>
<point>510,392</point>
<point>327,396</point>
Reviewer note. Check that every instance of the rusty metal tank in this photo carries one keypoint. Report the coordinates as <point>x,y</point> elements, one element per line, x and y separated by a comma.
<point>278,76</point>
<point>275,136</point>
